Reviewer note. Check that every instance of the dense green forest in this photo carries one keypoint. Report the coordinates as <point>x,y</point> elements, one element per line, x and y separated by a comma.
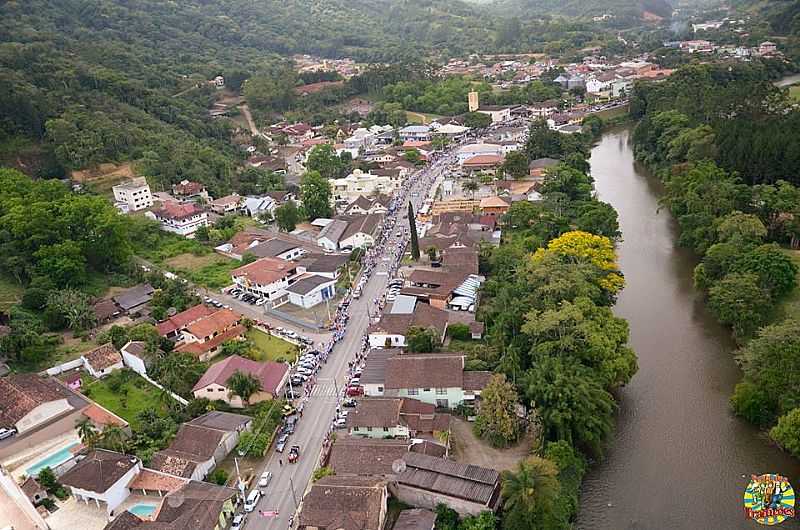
<point>729,157</point>
<point>584,8</point>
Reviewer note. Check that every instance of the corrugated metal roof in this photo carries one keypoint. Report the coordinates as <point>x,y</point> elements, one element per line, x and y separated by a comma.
<point>473,483</point>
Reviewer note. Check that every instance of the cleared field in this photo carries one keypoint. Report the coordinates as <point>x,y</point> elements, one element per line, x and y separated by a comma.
<point>209,270</point>
<point>271,348</point>
<point>794,91</point>
<point>188,261</point>
<point>420,118</point>
<point>105,177</point>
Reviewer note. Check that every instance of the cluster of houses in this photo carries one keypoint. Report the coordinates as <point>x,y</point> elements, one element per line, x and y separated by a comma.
<point>744,53</point>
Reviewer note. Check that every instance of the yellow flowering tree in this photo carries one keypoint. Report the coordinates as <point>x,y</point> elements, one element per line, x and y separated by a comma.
<point>585,247</point>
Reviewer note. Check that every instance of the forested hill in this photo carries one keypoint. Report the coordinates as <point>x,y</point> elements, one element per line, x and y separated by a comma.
<point>585,8</point>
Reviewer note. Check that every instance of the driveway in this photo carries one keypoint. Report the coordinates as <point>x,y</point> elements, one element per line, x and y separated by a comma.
<point>468,449</point>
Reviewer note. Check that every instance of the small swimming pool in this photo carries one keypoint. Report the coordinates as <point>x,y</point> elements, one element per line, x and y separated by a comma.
<point>52,460</point>
<point>142,510</point>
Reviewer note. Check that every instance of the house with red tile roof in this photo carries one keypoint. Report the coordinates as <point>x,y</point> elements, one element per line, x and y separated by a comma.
<point>29,400</point>
<point>203,337</point>
<point>182,219</point>
<point>267,278</point>
<point>213,384</point>
<point>102,360</point>
<point>171,327</point>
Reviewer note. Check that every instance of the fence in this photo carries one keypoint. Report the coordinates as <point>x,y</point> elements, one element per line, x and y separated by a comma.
<point>64,367</point>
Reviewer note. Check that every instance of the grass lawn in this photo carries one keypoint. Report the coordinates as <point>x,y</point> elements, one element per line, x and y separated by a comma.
<point>134,396</point>
<point>271,348</point>
<point>794,91</point>
<point>10,293</point>
<point>789,307</point>
<point>420,118</point>
<point>209,269</point>
<point>611,113</point>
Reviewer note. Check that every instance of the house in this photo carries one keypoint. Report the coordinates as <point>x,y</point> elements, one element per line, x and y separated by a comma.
<point>181,219</point>
<point>345,503</point>
<point>415,519</point>
<point>363,206</point>
<point>134,299</point>
<point>102,477</point>
<point>415,132</point>
<point>192,505</point>
<point>106,310</point>
<point>257,206</point>
<point>277,248</point>
<point>201,444</point>
<point>213,385</point>
<point>767,48</point>
<point>498,113</point>
<point>494,206</point>
<point>30,401</point>
<point>543,109</point>
<point>468,151</point>
<point>377,417</point>
<point>428,481</point>
<point>391,329</point>
<point>267,278</point>
<point>373,374</point>
<point>485,163</point>
<point>310,290</point>
<point>331,234</point>
<point>347,232</point>
<point>358,455</point>
<point>203,337</point>
<point>172,327</point>
<point>361,184</point>
<point>438,379</point>
<point>538,167</point>
<point>451,131</point>
<point>227,204</point>
<point>189,190</point>
<point>102,360</point>
<point>270,163</point>
<point>133,195</point>
<point>33,491</point>
<point>327,265</point>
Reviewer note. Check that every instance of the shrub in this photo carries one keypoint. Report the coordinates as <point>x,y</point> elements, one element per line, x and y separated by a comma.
<point>459,331</point>
<point>219,477</point>
<point>787,432</point>
<point>753,404</point>
<point>321,472</point>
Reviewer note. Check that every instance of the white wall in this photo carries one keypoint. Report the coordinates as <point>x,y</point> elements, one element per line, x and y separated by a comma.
<point>378,340</point>
<point>42,414</point>
<point>115,495</point>
<point>134,363</point>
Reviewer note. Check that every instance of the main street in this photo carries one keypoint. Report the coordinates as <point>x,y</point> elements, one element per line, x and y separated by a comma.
<point>289,481</point>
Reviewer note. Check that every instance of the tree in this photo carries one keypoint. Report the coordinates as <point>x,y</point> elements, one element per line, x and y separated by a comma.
<point>47,479</point>
<point>739,301</point>
<point>531,489</point>
<point>113,438</point>
<point>776,271</point>
<point>497,419</point>
<point>422,340</point>
<point>178,372</point>
<point>412,227</point>
<point>87,433</point>
<point>219,477</point>
<point>74,307</point>
<point>787,432</point>
<point>446,518</point>
<point>324,160</point>
<point>515,165</point>
<point>741,229</point>
<point>243,385</point>
<point>241,348</point>
<point>432,253</point>
<point>315,192</point>
<point>413,156</point>
<point>578,246</point>
<point>485,521</point>
<point>469,186</point>
<point>598,218</point>
<point>477,120</point>
<point>287,216</point>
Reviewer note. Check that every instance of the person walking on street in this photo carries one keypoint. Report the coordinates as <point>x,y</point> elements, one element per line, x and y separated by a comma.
<point>280,461</point>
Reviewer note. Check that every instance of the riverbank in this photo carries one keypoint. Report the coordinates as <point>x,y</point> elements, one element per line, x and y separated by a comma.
<point>679,458</point>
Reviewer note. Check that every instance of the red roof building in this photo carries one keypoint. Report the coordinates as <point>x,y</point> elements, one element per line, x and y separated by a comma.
<point>213,384</point>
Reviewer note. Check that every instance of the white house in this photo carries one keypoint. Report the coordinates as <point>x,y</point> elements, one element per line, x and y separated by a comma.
<point>498,113</point>
<point>468,151</point>
<point>361,184</point>
<point>310,290</point>
<point>181,219</point>
<point>102,477</point>
<point>134,194</point>
<point>29,400</point>
<point>415,133</point>
<point>102,360</point>
<point>256,206</point>
<point>133,356</point>
<point>267,278</point>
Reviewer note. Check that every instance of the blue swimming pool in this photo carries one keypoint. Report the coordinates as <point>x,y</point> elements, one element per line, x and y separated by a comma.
<point>52,460</point>
<point>142,510</point>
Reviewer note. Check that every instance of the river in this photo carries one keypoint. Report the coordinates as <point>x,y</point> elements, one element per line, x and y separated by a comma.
<point>679,458</point>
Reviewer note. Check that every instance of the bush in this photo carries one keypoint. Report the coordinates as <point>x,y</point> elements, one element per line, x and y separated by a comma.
<point>753,404</point>
<point>321,472</point>
<point>219,477</point>
<point>787,432</point>
<point>459,331</point>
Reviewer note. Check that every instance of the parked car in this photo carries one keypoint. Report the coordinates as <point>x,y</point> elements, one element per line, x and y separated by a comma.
<point>340,423</point>
<point>294,454</point>
<point>349,403</point>
<point>288,410</point>
<point>354,391</point>
<point>266,478</point>
<point>291,423</point>
<point>7,433</point>
<point>252,500</point>
<point>238,521</point>
<point>281,444</point>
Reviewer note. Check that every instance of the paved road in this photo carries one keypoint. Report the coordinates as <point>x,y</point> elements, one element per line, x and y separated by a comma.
<point>290,481</point>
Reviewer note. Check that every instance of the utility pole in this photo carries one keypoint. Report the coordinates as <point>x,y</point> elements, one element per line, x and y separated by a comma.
<point>294,496</point>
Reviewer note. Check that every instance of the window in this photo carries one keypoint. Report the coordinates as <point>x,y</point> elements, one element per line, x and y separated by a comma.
<point>369,429</point>
<point>413,392</point>
<point>386,429</point>
<point>380,389</point>
<point>441,391</point>
<point>442,403</point>
<point>426,389</point>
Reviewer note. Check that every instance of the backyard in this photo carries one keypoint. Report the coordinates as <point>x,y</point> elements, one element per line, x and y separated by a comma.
<point>468,449</point>
<point>271,348</point>
<point>124,393</point>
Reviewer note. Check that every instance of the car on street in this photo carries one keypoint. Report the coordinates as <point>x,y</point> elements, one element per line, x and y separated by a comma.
<point>353,391</point>
<point>294,454</point>
<point>252,500</point>
<point>266,478</point>
<point>238,521</point>
<point>288,410</point>
<point>349,403</point>
<point>281,445</point>
<point>7,433</point>
<point>340,423</point>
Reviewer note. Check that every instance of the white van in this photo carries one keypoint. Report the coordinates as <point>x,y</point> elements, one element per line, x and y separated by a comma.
<point>252,500</point>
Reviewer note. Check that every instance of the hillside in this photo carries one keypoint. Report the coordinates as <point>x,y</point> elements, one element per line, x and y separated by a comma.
<point>585,8</point>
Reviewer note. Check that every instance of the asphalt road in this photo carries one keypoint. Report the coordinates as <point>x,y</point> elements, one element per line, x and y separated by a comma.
<point>289,481</point>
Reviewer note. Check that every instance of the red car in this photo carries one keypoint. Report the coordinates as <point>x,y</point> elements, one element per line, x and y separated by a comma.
<point>294,454</point>
<point>354,391</point>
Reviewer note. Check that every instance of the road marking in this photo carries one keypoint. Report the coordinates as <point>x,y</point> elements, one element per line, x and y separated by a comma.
<point>324,390</point>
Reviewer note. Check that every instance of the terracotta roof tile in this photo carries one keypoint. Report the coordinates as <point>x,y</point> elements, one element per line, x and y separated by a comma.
<point>103,357</point>
<point>21,393</point>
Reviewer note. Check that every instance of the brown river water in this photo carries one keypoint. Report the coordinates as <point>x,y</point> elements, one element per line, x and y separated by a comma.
<point>679,458</point>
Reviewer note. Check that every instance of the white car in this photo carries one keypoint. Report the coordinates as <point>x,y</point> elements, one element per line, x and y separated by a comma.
<point>261,301</point>
<point>7,433</point>
<point>238,522</point>
<point>340,423</point>
<point>266,478</point>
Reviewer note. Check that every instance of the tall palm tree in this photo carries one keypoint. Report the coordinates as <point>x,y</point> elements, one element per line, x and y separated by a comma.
<point>243,385</point>
<point>87,432</point>
<point>114,438</point>
<point>534,483</point>
<point>470,186</point>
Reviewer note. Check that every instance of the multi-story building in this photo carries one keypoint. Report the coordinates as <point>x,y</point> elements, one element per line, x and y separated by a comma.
<point>133,195</point>
<point>181,219</point>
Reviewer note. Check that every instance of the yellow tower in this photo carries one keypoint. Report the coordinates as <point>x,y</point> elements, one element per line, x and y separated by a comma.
<point>473,101</point>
